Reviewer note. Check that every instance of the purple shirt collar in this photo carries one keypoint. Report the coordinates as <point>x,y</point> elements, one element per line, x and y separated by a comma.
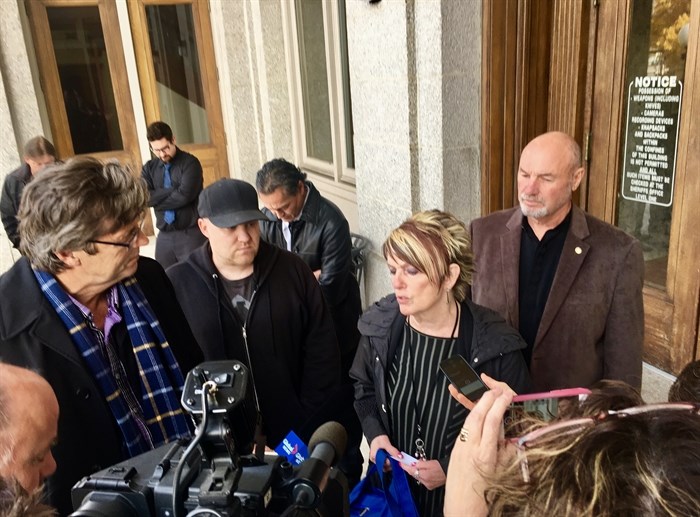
<point>113,317</point>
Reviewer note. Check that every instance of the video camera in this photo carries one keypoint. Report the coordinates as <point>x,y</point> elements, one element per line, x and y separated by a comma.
<point>217,473</point>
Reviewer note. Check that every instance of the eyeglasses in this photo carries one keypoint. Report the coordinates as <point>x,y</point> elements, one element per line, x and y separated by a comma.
<point>161,150</point>
<point>566,427</point>
<point>131,239</point>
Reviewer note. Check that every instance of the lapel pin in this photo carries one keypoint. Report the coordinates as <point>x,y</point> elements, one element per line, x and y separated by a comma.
<point>578,250</point>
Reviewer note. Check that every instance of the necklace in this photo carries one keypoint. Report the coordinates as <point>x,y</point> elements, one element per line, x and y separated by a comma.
<point>420,442</point>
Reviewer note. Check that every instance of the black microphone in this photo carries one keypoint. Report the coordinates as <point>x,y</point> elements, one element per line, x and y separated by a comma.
<point>327,445</point>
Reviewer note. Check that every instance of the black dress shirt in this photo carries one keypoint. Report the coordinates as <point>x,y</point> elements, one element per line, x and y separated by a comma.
<point>538,264</point>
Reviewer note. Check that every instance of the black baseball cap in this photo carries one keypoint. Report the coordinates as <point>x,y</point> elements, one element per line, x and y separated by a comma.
<point>228,203</point>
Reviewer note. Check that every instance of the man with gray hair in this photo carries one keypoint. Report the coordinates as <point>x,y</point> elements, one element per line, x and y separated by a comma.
<point>98,322</point>
<point>570,283</point>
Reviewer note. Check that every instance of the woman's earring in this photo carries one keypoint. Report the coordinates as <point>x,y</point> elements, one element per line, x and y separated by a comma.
<point>447,296</point>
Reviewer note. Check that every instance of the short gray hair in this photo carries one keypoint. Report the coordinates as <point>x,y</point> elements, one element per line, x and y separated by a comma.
<point>67,205</point>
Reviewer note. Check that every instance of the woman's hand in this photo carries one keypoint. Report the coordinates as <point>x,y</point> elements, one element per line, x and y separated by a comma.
<point>491,383</point>
<point>476,452</point>
<point>382,442</point>
<point>428,473</point>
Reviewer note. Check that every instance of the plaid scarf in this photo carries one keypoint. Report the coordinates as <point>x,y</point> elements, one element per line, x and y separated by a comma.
<point>160,376</point>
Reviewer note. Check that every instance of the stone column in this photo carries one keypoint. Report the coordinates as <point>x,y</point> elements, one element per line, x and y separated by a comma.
<point>254,77</point>
<point>19,105</point>
<point>415,69</point>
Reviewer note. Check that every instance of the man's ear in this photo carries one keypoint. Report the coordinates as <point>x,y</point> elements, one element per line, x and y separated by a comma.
<point>203,227</point>
<point>69,258</point>
<point>576,180</point>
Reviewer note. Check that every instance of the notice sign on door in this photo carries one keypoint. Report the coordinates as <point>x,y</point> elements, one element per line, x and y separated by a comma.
<point>651,142</point>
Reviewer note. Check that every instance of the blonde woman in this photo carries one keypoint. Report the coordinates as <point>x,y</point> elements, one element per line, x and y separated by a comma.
<point>401,395</point>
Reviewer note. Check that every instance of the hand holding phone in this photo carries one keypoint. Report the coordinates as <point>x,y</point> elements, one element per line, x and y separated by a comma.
<point>463,377</point>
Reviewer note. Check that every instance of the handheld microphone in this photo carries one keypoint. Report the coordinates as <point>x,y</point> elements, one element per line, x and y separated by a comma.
<point>327,446</point>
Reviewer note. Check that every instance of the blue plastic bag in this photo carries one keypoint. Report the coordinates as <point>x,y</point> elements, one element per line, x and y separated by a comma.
<point>392,499</point>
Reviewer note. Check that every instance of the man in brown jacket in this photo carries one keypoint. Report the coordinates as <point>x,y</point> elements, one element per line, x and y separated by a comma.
<point>570,283</point>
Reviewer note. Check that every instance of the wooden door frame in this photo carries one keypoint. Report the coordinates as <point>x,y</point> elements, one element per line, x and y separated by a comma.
<point>510,104</point>
<point>511,51</point>
<point>671,313</point>
<point>534,63</point>
<point>208,74</point>
<point>51,82</point>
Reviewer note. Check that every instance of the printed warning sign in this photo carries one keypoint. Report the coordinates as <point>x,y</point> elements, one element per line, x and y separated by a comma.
<point>651,141</point>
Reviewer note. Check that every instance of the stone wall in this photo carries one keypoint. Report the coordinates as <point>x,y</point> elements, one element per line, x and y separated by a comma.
<point>20,106</point>
<point>415,69</point>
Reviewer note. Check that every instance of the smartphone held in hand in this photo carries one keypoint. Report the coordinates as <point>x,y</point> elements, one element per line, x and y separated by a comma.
<point>463,377</point>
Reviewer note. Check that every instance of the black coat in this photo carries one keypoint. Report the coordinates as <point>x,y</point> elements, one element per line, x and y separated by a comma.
<point>321,237</point>
<point>493,348</point>
<point>293,348</point>
<point>9,202</point>
<point>32,335</point>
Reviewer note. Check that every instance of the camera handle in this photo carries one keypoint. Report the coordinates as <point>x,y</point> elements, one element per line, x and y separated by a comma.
<point>209,388</point>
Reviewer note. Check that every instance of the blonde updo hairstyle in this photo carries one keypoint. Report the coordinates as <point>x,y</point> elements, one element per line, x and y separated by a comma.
<point>430,241</point>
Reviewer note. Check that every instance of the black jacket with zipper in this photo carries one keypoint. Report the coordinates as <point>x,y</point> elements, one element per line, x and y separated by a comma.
<point>321,237</point>
<point>492,347</point>
<point>9,201</point>
<point>293,349</point>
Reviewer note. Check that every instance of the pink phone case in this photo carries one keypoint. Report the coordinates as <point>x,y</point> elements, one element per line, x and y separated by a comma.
<point>555,394</point>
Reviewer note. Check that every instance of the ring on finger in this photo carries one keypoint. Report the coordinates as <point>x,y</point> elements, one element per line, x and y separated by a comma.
<point>463,434</point>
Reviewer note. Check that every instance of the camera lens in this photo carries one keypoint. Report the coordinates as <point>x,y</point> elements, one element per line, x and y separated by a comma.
<point>100,504</point>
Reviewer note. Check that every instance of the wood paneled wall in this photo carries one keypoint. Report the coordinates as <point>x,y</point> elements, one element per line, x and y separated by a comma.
<point>534,76</point>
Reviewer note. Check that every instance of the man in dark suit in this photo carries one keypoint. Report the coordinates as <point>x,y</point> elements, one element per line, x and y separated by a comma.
<point>571,283</point>
<point>38,154</point>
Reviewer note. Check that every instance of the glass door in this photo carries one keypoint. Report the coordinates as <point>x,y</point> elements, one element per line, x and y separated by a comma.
<point>178,77</point>
<point>81,67</point>
<point>643,157</point>
<point>652,103</point>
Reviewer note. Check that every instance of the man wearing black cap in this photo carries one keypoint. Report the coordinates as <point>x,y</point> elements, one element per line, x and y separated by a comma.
<point>251,301</point>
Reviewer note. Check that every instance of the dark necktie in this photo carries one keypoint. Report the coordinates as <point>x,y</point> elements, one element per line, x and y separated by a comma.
<point>169,215</point>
